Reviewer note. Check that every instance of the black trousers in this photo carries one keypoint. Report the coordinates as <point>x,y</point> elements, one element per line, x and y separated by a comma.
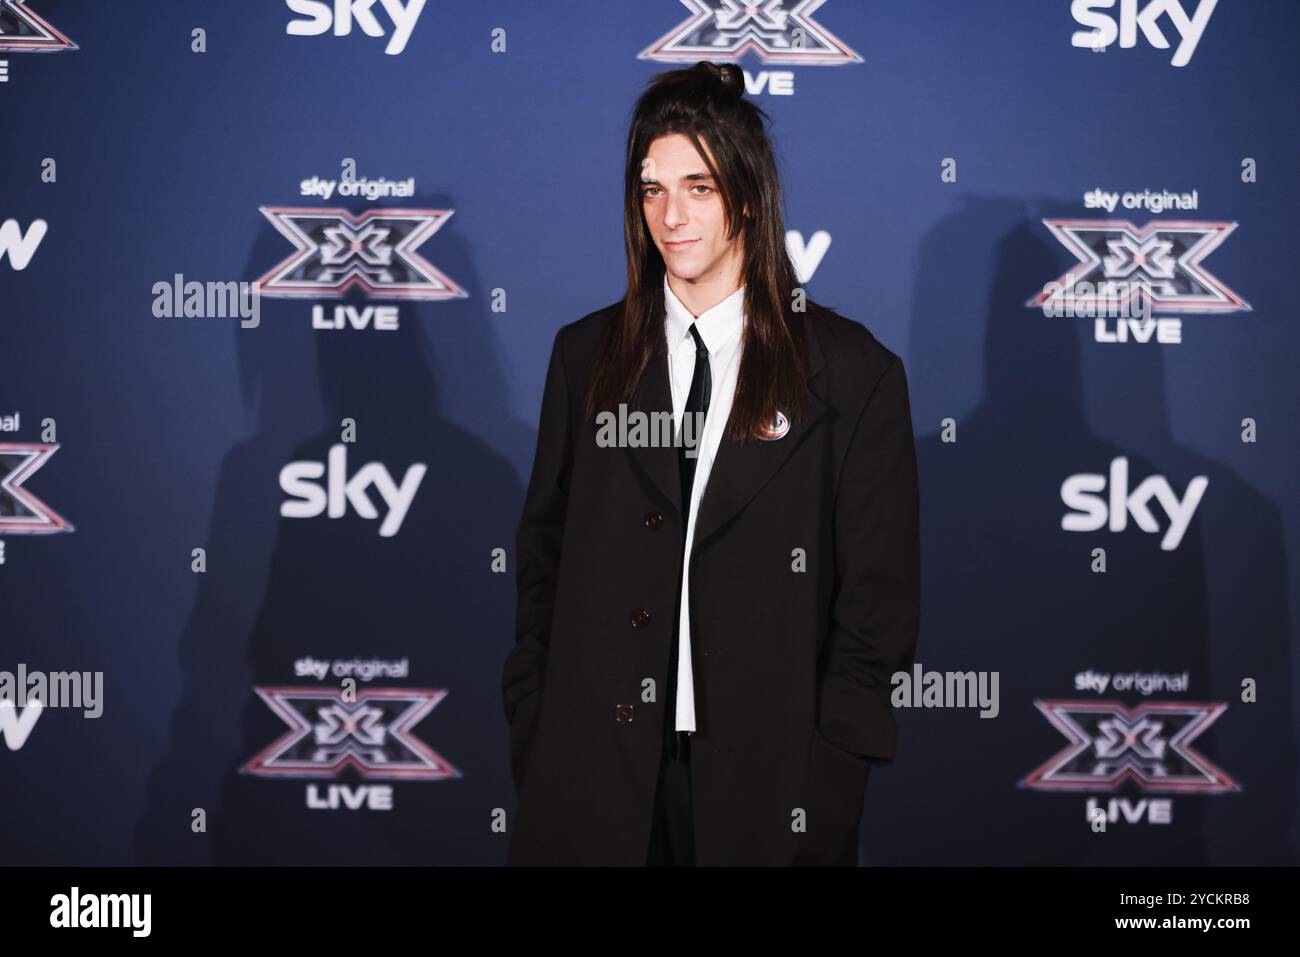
<point>672,835</point>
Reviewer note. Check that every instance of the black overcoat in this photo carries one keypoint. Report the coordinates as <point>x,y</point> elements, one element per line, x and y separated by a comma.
<point>804,601</point>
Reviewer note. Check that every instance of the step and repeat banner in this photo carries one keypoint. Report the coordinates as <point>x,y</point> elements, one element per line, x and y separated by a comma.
<point>278,285</point>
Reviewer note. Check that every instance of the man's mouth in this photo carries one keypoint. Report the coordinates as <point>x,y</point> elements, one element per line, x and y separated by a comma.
<point>681,244</point>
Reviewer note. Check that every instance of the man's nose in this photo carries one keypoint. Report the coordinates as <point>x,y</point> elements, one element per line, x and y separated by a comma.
<point>675,212</point>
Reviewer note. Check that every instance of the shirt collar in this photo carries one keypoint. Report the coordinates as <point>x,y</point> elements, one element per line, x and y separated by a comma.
<point>718,326</point>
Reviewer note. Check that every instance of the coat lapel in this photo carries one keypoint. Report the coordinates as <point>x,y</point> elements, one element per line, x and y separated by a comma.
<point>740,471</point>
<point>658,464</point>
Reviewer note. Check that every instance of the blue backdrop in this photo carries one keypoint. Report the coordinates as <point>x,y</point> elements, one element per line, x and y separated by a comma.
<point>936,153</point>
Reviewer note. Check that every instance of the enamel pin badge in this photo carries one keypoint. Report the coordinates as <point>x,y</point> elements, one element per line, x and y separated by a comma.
<point>779,427</point>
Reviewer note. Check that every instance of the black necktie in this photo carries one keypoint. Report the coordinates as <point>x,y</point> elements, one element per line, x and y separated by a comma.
<point>697,407</point>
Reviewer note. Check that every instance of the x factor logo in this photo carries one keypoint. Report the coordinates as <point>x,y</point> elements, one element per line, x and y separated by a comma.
<point>21,512</point>
<point>776,31</point>
<point>375,251</point>
<point>1161,261</point>
<point>22,31</point>
<point>1149,744</point>
<point>372,734</point>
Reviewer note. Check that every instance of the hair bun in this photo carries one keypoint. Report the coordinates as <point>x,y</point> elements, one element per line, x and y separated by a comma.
<point>726,76</point>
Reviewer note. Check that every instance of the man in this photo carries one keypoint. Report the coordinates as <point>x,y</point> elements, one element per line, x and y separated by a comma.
<point>708,620</point>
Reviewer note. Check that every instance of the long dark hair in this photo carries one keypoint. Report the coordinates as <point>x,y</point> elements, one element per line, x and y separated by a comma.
<point>705,103</point>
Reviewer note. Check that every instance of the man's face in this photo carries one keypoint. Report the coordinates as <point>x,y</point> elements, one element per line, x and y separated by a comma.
<point>684,212</point>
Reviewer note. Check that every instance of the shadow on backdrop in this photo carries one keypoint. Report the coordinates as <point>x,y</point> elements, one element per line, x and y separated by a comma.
<point>1006,589</point>
<point>282,589</point>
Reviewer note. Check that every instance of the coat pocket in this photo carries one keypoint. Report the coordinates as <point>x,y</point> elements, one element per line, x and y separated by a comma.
<point>834,790</point>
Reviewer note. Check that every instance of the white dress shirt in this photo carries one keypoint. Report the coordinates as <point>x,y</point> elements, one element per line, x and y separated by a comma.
<point>720,328</point>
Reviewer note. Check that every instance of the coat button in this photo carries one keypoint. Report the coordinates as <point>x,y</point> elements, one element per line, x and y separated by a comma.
<point>654,521</point>
<point>624,713</point>
<point>640,618</point>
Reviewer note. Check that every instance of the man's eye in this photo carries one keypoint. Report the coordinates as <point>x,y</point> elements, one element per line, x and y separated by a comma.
<point>703,187</point>
<point>647,190</point>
